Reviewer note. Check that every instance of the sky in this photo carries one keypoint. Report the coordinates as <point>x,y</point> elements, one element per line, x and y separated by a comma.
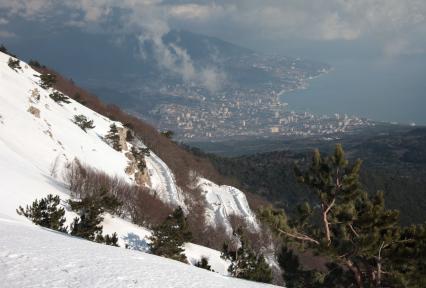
<point>384,33</point>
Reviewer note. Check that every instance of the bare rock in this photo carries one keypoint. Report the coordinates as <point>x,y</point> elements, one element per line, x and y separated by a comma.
<point>142,178</point>
<point>35,111</point>
<point>122,132</point>
<point>132,166</point>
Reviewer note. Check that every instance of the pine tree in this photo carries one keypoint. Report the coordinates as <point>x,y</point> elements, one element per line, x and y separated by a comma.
<point>129,136</point>
<point>113,137</point>
<point>294,275</point>
<point>14,64</point>
<point>357,235</point>
<point>139,155</point>
<point>88,224</point>
<point>168,238</point>
<point>111,240</point>
<point>204,264</point>
<point>59,97</point>
<point>82,122</point>
<point>245,263</point>
<point>46,213</point>
<point>47,81</point>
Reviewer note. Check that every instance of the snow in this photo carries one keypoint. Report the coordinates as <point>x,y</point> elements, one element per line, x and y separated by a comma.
<point>194,253</point>
<point>163,182</point>
<point>33,155</point>
<point>31,256</point>
<point>223,201</point>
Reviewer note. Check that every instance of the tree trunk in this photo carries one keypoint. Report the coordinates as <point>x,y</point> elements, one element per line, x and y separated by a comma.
<point>325,209</point>
<point>356,272</point>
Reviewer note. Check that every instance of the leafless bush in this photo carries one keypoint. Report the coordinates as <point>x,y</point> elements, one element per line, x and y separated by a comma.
<point>215,237</point>
<point>137,202</point>
<point>146,209</point>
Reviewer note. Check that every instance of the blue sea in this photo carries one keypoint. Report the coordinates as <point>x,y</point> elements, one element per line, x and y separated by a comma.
<point>391,90</point>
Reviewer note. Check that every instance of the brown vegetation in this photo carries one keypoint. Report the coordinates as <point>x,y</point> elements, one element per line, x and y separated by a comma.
<point>137,202</point>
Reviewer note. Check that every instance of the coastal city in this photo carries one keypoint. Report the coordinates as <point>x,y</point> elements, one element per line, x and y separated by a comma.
<point>263,117</point>
<point>243,109</point>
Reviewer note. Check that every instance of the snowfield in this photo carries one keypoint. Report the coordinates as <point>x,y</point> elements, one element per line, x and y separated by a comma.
<point>31,256</point>
<point>223,201</point>
<point>37,140</point>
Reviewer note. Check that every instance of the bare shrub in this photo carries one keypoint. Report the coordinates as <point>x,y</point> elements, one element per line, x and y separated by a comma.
<point>146,209</point>
<point>215,237</point>
<point>139,203</point>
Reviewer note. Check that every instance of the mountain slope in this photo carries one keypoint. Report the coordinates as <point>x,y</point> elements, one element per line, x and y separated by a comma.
<point>34,257</point>
<point>38,140</point>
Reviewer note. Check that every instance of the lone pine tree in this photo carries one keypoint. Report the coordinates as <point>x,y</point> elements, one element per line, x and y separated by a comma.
<point>47,80</point>
<point>168,238</point>
<point>14,64</point>
<point>46,213</point>
<point>204,264</point>
<point>58,97</point>
<point>88,224</point>
<point>360,239</point>
<point>82,122</point>
<point>139,155</point>
<point>113,137</point>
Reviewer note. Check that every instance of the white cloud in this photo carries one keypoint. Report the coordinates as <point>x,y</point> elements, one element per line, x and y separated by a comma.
<point>318,20</point>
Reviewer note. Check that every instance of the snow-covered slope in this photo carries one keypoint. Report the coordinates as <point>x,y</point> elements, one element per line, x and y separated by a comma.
<point>31,256</point>
<point>223,201</point>
<point>38,138</point>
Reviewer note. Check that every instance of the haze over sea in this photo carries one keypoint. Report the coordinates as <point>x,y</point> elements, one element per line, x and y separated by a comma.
<point>383,90</point>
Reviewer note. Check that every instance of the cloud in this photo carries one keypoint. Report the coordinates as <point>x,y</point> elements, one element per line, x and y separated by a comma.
<point>266,20</point>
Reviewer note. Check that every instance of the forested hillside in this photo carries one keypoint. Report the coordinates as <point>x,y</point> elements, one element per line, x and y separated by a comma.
<point>393,162</point>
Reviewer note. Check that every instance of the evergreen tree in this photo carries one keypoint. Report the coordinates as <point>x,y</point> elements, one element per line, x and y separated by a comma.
<point>294,275</point>
<point>245,263</point>
<point>14,64</point>
<point>357,235</point>
<point>129,136</point>
<point>90,210</point>
<point>113,137</point>
<point>58,97</point>
<point>82,122</point>
<point>204,264</point>
<point>88,224</point>
<point>46,213</point>
<point>47,81</point>
<point>139,155</point>
<point>111,240</point>
<point>168,238</point>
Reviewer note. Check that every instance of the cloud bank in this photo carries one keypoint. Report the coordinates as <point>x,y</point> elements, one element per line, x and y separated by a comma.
<point>399,27</point>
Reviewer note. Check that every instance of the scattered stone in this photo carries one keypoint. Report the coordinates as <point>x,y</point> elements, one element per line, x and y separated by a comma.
<point>33,110</point>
